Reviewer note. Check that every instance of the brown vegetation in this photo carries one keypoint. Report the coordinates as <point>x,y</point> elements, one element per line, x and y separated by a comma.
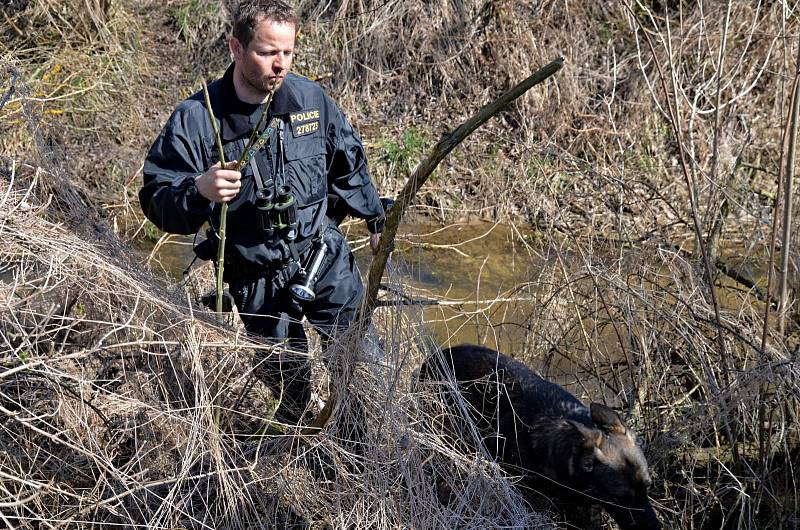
<point>649,168</point>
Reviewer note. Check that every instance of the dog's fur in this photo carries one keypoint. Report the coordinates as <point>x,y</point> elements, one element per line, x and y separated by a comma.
<point>535,428</point>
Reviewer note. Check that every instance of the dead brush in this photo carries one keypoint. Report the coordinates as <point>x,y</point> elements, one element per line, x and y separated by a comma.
<point>108,391</point>
<point>121,404</point>
<point>203,25</point>
<point>630,302</point>
<point>633,327</point>
<point>641,328</point>
<point>431,63</point>
<point>82,68</point>
<point>79,23</point>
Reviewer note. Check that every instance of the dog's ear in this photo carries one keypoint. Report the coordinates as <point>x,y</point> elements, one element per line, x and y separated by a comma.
<point>590,441</point>
<point>607,419</point>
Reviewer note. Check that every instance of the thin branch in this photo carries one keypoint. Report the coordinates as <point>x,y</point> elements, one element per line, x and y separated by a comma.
<point>788,183</point>
<point>447,143</point>
<point>223,216</point>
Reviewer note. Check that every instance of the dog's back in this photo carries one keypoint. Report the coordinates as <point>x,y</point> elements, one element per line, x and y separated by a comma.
<point>482,369</point>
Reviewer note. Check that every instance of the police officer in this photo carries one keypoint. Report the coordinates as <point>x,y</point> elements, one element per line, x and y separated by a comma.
<point>311,153</point>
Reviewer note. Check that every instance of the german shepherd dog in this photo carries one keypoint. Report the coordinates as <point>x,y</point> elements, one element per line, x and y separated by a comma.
<point>580,455</point>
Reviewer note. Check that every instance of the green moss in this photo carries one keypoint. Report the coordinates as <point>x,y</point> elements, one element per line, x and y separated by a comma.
<point>406,152</point>
<point>151,231</point>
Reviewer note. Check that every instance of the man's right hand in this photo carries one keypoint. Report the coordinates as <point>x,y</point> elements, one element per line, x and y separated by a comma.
<point>219,185</point>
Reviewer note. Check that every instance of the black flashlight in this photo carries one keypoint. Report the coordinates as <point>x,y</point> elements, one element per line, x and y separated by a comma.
<point>303,289</point>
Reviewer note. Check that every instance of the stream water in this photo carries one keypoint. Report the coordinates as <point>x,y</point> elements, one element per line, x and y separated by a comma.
<point>482,283</point>
<point>459,275</point>
<point>464,277</point>
<point>477,283</point>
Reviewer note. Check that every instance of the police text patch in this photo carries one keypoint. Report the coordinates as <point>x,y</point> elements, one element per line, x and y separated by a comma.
<point>304,122</point>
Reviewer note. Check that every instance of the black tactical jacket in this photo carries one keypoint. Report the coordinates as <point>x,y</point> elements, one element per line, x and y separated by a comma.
<point>321,154</point>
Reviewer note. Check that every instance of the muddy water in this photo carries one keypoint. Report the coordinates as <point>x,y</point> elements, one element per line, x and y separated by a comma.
<point>486,284</point>
<point>463,279</point>
<point>453,275</point>
<point>481,283</point>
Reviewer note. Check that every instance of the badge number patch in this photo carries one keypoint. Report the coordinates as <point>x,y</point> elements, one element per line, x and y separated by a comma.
<point>303,129</point>
<point>305,122</point>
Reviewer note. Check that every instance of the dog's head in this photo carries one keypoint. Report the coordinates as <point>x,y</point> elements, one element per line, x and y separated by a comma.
<point>612,468</point>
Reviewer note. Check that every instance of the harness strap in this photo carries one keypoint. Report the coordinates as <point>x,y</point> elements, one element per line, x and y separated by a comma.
<point>259,180</point>
<point>273,124</point>
<point>251,157</point>
<point>307,244</point>
<point>280,155</point>
<point>293,251</point>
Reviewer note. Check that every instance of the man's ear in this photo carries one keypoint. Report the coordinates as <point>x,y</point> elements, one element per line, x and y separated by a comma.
<point>236,48</point>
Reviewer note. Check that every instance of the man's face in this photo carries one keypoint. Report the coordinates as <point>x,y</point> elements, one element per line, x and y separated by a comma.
<point>267,59</point>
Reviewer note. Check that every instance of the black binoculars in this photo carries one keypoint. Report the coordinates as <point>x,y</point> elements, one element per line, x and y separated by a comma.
<point>277,211</point>
<point>264,205</point>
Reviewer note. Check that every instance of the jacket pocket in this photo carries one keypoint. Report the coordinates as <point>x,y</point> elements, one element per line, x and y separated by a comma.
<point>232,150</point>
<point>306,171</point>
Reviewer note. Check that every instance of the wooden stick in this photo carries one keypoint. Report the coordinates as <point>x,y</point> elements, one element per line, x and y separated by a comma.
<point>446,144</point>
<point>223,216</point>
<point>788,184</point>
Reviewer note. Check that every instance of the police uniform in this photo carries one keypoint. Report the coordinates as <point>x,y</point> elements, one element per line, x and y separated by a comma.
<point>316,153</point>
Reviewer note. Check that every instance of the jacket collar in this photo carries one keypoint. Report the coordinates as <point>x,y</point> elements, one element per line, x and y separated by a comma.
<point>239,118</point>
<point>285,100</point>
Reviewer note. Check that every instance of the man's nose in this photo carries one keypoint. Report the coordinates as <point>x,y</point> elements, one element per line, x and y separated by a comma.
<point>279,64</point>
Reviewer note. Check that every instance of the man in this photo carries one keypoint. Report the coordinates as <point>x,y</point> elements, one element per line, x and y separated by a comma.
<point>311,152</point>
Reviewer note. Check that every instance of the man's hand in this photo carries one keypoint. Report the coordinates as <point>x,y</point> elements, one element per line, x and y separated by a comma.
<point>374,239</point>
<point>219,185</point>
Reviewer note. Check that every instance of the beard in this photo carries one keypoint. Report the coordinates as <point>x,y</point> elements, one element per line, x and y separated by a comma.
<point>263,83</point>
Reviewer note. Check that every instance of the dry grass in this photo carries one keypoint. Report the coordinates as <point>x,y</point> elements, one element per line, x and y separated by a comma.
<point>90,84</point>
<point>119,405</point>
<point>123,405</point>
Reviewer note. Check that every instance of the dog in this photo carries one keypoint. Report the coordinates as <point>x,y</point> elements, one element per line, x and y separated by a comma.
<point>580,455</point>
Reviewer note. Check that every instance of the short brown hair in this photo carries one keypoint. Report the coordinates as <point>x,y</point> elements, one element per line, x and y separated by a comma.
<point>251,12</point>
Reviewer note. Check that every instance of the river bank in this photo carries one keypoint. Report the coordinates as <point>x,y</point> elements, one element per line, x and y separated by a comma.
<point>125,403</point>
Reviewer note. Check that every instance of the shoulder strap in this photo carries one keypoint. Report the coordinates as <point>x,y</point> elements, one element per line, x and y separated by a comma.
<point>250,154</point>
<point>257,174</point>
<point>258,144</point>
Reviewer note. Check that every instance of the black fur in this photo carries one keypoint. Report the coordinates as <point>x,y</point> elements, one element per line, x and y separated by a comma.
<point>561,448</point>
